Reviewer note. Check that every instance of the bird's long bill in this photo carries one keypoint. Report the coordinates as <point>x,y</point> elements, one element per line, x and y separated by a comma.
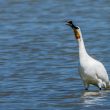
<point>70,23</point>
<point>74,28</point>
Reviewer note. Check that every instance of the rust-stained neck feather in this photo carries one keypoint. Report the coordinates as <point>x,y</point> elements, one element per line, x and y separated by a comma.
<point>77,33</point>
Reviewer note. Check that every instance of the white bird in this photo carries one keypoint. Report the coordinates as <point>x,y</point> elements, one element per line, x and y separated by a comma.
<point>92,71</point>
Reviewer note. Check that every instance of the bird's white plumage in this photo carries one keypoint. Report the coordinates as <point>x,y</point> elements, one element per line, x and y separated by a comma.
<point>91,71</point>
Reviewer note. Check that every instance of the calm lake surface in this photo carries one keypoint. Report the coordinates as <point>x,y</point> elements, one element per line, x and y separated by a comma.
<point>39,54</point>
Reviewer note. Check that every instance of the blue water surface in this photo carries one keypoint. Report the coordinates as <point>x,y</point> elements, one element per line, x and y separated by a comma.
<point>39,54</point>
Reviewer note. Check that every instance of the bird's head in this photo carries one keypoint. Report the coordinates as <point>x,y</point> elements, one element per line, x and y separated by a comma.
<point>76,29</point>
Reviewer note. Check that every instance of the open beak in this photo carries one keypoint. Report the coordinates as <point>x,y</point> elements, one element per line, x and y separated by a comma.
<point>74,28</point>
<point>70,23</point>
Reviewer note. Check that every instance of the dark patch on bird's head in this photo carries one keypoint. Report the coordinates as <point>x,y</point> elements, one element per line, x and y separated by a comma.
<point>70,23</point>
<point>76,29</point>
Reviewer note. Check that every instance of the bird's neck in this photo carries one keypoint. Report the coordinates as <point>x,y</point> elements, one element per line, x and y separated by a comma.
<point>82,51</point>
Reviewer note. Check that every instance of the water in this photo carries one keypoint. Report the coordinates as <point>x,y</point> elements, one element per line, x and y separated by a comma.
<point>39,55</point>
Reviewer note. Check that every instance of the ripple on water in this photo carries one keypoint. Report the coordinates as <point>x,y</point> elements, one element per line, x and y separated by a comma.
<point>39,54</point>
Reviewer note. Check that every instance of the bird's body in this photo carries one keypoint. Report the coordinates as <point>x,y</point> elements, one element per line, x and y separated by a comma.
<point>91,71</point>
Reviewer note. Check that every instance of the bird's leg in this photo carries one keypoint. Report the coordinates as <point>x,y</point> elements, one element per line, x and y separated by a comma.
<point>104,84</point>
<point>100,84</point>
<point>100,88</point>
<point>86,88</point>
<point>86,85</point>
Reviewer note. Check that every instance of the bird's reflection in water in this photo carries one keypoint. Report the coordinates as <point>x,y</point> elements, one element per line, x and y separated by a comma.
<point>91,93</point>
<point>91,98</point>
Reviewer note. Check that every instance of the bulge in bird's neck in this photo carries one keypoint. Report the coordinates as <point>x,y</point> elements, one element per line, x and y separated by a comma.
<point>77,33</point>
